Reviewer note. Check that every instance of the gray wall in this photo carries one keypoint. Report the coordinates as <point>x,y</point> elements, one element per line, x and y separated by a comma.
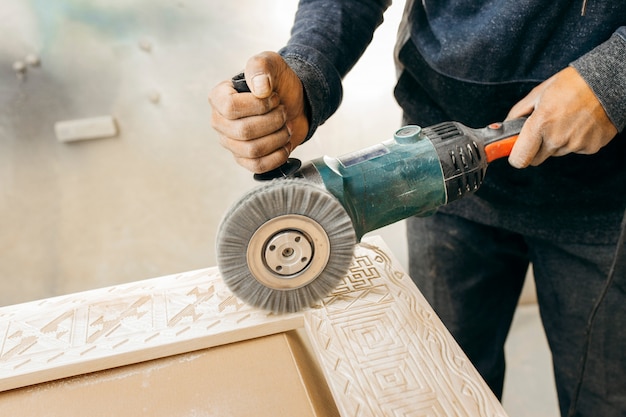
<point>147,202</point>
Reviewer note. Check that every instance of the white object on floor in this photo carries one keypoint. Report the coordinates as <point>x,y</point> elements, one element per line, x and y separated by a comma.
<point>83,129</point>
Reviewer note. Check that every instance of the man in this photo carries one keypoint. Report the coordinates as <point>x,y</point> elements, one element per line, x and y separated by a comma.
<point>562,64</point>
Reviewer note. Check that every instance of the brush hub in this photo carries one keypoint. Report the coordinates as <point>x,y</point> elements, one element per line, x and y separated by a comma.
<point>288,252</point>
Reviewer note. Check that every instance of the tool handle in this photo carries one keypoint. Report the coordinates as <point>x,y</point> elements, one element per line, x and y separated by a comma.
<point>239,83</point>
<point>291,165</point>
<point>499,138</point>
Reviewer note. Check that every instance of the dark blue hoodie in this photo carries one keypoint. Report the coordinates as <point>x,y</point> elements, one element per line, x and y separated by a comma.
<point>471,61</point>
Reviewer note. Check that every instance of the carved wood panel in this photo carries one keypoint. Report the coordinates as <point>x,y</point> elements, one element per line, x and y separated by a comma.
<point>383,350</point>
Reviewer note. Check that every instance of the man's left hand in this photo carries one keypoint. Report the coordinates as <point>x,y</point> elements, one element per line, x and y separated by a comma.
<point>564,116</point>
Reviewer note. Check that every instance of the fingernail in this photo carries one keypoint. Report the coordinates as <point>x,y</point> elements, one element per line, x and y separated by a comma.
<point>261,85</point>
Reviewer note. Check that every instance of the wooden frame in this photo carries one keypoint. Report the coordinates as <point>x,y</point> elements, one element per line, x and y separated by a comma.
<point>382,349</point>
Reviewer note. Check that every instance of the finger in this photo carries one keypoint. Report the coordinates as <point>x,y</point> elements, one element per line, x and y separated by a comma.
<point>554,142</point>
<point>246,104</point>
<point>524,107</point>
<point>231,105</point>
<point>540,158</point>
<point>265,163</point>
<point>527,146</point>
<point>257,148</point>
<point>520,109</point>
<point>252,127</point>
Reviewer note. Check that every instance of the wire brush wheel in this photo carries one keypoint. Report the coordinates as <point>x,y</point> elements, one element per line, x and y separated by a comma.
<point>285,245</point>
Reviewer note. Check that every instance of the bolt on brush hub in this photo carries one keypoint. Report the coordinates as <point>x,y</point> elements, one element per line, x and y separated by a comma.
<point>288,252</point>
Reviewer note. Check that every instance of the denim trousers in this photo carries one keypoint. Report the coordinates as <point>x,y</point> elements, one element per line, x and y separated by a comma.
<point>472,274</point>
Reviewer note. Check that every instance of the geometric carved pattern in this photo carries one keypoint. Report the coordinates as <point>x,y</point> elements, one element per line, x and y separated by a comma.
<point>402,360</point>
<point>383,350</point>
<point>99,329</point>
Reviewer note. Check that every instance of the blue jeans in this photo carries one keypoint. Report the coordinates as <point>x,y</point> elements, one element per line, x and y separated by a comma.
<point>472,274</point>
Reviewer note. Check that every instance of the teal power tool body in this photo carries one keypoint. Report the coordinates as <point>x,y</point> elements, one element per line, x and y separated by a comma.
<point>286,244</point>
<point>412,174</point>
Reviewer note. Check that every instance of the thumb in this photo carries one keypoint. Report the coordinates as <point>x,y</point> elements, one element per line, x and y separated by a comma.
<point>527,145</point>
<point>522,108</point>
<point>262,71</point>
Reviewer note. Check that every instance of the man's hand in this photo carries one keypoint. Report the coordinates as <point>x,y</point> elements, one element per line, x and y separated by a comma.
<point>261,128</point>
<point>564,117</point>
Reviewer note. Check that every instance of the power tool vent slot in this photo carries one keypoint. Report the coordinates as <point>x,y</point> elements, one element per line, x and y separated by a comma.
<point>444,131</point>
<point>461,159</point>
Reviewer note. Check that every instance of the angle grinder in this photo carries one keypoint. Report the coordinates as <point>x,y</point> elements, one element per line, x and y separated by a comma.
<point>286,244</point>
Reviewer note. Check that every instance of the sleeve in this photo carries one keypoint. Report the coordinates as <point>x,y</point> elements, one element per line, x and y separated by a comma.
<point>604,69</point>
<point>327,39</point>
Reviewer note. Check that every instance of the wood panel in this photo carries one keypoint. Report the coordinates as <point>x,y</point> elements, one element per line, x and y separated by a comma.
<point>382,349</point>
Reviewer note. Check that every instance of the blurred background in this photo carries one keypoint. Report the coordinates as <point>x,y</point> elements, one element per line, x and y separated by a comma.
<point>147,201</point>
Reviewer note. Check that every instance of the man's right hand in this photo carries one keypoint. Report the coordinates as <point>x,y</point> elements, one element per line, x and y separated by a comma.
<point>261,128</point>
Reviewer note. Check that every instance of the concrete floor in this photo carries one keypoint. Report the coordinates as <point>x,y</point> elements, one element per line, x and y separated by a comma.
<point>147,202</point>
<point>529,389</point>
